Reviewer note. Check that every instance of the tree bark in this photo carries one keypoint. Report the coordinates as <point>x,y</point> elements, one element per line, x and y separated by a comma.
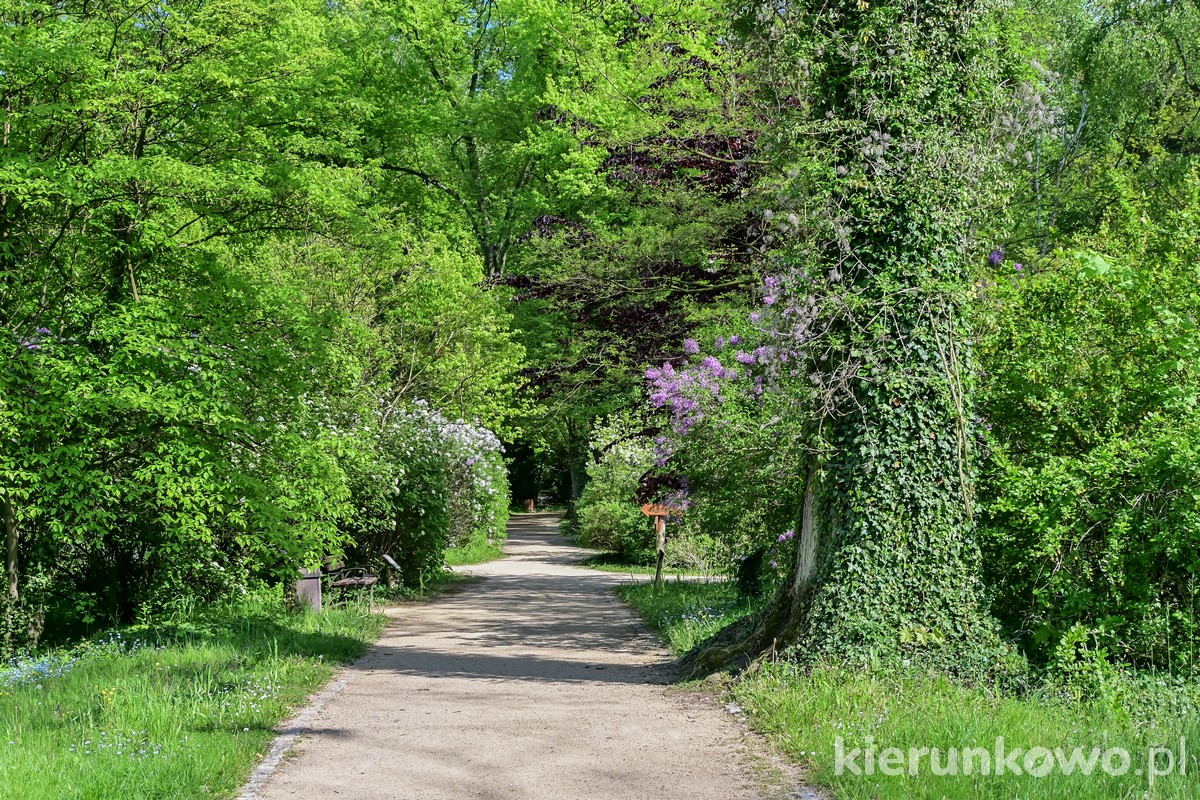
<point>807,540</point>
<point>13,593</point>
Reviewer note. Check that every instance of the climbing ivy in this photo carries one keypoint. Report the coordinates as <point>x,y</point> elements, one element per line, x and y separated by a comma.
<point>882,119</point>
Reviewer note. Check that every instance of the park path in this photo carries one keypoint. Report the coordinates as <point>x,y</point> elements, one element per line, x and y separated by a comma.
<point>534,682</point>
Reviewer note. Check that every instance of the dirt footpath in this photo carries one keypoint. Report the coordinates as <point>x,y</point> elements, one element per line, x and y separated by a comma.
<point>533,682</point>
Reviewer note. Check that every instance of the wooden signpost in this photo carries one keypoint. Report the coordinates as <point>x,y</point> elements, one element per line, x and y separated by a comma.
<point>660,513</point>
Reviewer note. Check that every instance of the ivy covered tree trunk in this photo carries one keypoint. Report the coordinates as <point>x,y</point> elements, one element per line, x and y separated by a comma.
<point>883,115</point>
<point>886,558</point>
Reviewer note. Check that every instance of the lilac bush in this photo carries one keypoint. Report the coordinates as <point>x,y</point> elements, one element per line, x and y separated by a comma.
<point>477,481</point>
<point>423,482</point>
<point>728,450</point>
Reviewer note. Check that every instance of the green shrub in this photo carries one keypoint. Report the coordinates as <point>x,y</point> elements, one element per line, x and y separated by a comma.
<point>421,484</point>
<point>609,515</point>
<point>737,468</point>
<point>1091,513</point>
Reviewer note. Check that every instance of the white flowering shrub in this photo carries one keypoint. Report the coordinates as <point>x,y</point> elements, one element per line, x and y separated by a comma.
<point>477,482</point>
<point>421,483</point>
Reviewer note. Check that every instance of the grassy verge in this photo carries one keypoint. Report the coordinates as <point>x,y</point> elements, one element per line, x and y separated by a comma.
<point>614,562</point>
<point>807,714</point>
<point>685,614</point>
<point>474,553</point>
<point>177,711</point>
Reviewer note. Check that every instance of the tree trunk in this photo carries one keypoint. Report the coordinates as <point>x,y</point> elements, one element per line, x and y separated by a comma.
<point>576,458</point>
<point>808,540</point>
<point>13,593</point>
<point>885,565</point>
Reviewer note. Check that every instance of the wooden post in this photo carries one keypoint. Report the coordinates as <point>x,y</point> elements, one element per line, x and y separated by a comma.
<point>660,528</point>
<point>308,589</point>
<point>660,513</point>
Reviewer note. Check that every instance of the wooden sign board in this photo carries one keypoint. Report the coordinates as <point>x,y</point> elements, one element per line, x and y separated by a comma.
<point>659,510</point>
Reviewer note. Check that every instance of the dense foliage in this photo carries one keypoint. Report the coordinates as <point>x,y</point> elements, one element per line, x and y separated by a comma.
<point>896,300</point>
<point>1049,169</point>
<point>1091,509</point>
<point>608,519</point>
<point>213,293</point>
<point>1089,348</point>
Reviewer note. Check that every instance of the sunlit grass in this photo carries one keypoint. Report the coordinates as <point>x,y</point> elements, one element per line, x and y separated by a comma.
<point>181,711</point>
<point>686,613</point>
<point>476,552</point>
<point>614,562</point>
<point>805,713</point>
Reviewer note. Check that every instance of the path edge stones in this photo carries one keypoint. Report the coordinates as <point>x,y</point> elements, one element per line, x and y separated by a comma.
<point>291,730</point>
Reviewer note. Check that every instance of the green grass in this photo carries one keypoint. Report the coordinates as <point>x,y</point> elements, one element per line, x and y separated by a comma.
<point>474,553</point>
<point>179,711</point>
<point>805,714</point>
<point>685,613</point>
<point>614,562</point>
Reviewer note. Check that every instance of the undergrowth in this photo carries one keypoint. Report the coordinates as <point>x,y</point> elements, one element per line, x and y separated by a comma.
<point>476,552</point>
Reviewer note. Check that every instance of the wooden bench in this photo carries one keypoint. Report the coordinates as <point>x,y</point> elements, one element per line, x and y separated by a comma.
<point>345,579</point>
<point>340,577</point>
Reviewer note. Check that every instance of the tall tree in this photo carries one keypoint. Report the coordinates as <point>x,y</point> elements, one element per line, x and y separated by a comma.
<point>607,287</point>
<point>882,116</point>
<point>212,290</point>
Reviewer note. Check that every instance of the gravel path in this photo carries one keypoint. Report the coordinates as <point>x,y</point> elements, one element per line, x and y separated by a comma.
<point>533,682</point>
